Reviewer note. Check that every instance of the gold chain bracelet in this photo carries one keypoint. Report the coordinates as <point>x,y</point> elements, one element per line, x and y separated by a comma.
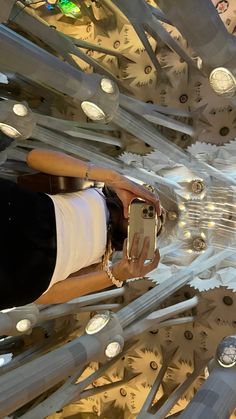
<point>110,275</point>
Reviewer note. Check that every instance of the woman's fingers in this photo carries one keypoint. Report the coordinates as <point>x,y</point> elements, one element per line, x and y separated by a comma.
<point>134,268</point>
<point>126,197</point>
<point>126,202</point>
<point>134,250</point>
<point>154,263</point>
<point>144,251</point>
<point>125,250</point>
<point>148,196</point>
<point>127,190</point>
<point>158,208</point>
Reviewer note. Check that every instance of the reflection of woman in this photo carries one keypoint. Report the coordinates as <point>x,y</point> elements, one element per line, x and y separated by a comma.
<point>47,239</point>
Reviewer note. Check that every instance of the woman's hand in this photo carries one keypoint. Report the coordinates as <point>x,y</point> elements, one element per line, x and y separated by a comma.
<point>135,266</point>
<point>127,190</point>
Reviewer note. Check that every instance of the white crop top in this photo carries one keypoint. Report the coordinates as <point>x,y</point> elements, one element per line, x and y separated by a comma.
<point>81,226</point>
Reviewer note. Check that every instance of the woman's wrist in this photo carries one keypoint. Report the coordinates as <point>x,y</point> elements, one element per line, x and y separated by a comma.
<point>100,174</point>
<point>118,273</point>
<point>111,177</point>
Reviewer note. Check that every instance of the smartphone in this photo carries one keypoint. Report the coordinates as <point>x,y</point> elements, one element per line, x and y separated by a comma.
<point>143,220</point>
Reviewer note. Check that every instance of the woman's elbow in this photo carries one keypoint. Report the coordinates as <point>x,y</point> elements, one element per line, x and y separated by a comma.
<point>32,158</point>
<point>36,157</point>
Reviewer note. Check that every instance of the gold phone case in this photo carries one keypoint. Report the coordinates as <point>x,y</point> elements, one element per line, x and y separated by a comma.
<point>142,220</point>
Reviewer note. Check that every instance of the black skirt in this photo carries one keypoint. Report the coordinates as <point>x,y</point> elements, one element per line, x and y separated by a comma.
<point>27,244</point>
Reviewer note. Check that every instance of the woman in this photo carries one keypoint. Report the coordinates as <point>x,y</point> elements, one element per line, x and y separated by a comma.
<point>48,242</point>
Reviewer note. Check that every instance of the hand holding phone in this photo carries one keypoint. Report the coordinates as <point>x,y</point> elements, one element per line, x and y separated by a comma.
<point>143,221</point>
<point>135,267</point>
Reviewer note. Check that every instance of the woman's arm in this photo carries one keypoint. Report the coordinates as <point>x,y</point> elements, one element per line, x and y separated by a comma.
<point>77,286</point>
<point>74,287</point>
<point>59,164</point>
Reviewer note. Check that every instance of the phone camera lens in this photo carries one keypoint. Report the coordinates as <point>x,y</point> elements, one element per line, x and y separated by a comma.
<point>150,214</point>
<point>151,208</point>
<point>145,211</point>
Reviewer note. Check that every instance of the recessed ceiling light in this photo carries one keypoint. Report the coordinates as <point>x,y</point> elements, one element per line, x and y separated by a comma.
<point>97,323</point>
<point>20,110</point>
<point>9,131</point>
<point>226,356</point>
<point>93,111</point>
<point>113,349</point>
<point>23,325</point>
<point>223,82</point>
<point>107,85</point>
